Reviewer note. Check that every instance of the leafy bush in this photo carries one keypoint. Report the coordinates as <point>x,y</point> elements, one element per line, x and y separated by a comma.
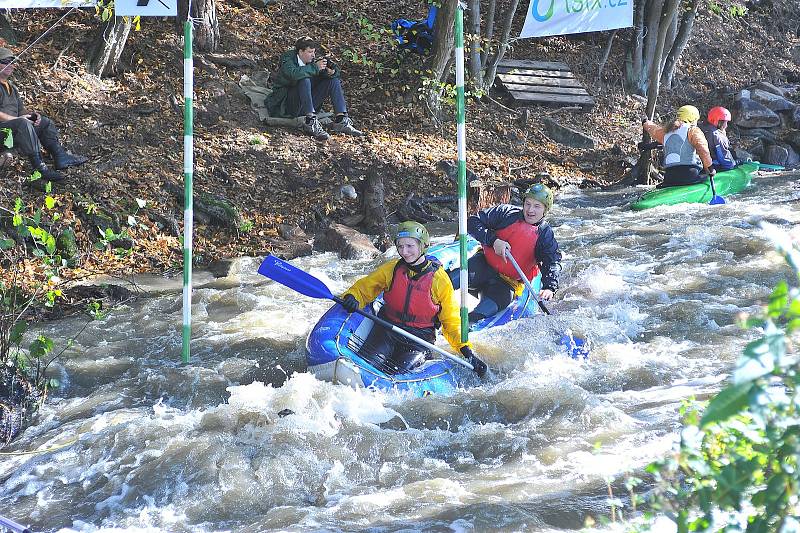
<point>736,467</point>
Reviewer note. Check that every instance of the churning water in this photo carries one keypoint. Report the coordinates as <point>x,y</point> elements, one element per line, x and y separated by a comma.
<point>136,441</point>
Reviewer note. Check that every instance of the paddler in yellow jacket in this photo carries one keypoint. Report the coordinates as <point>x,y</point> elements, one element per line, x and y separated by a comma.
<point>418,297</point>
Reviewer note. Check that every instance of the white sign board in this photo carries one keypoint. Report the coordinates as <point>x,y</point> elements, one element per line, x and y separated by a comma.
<point>146,8</point>
<point>559,17</point>
<point>26,4</point>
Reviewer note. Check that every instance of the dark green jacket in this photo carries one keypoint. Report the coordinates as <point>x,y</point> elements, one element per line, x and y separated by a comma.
<point>288,74</point>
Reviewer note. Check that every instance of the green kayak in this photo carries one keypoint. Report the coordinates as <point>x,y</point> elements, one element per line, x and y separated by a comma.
<point>728,182</point>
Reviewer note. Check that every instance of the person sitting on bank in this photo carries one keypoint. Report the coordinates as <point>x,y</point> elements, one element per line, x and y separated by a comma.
<point>31,130</point>
<point>685,148</point>
<point>302,84</point>
<point>717,138</point>
<point>522,232</point>
<point>418,297</point>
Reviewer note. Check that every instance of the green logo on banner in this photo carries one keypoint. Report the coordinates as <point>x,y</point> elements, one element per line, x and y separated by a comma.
<point>535,11</point>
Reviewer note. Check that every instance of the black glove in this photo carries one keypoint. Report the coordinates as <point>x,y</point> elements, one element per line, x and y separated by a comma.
<point>350,303</point>
<point>478,366</point>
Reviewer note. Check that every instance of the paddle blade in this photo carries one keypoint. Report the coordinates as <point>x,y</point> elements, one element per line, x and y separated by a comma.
<point>575,346</point>
<point>717,200</point>
<point>294,278</point>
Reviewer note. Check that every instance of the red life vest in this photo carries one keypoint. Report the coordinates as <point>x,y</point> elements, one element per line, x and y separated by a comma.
<point>408,300</point>
<point>522,238</point>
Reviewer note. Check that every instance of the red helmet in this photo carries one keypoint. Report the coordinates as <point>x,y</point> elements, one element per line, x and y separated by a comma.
<point>718,113</point>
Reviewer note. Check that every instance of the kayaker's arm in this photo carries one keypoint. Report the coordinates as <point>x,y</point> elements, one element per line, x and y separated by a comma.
<point>549,257</point>
<point>698,140</point>
<point>482,226</point>
<point>654,130</point>
<point>443,294</point>
<point>370,286</point>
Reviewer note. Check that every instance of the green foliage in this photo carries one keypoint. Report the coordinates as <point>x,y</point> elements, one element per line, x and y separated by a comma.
<point>732,9</point>
<point>736,467</point>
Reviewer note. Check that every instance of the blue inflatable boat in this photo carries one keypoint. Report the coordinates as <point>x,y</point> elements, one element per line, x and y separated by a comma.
<point>334,346</point>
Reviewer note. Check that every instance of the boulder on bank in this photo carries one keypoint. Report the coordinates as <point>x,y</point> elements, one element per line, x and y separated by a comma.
<point>567,136</point>
<point>748,113</point>
<point>347,242</point>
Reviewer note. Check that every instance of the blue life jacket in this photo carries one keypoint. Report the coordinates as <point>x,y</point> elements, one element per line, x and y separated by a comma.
<point>415,35</point>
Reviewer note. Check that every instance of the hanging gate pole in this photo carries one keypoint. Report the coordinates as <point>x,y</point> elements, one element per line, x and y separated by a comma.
<point>462,168</point>
<point>188,194</point>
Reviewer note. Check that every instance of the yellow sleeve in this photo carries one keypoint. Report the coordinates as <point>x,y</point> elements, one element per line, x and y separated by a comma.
<point>450,317</point>
<point>370,286</point>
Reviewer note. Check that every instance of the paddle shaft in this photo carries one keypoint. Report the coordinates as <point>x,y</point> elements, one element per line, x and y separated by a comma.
<point>713,188</point>
<point>404,333</point>
<point>527,283</point>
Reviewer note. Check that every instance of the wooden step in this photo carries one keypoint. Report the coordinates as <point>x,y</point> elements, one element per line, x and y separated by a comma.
<point>541,82</point>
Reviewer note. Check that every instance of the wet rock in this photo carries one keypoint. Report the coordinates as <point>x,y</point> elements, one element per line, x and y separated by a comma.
<point>796,117</point>
<point>292,233</point>
<point>777,154</point>
<point>744,93</point>
<point>772,100</point>
<point>349,243</point>
<point>748,113</point>
<point>222,268</point>
<point>567,136</point>
<point>770,88</point>
<point>19,400</point>
<point>793,138</point>
<point>290,249</point>
<point>758,133</point>
<point>742,155</point>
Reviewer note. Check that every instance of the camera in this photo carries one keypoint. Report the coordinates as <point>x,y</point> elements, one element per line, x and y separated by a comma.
<point>331,64</point>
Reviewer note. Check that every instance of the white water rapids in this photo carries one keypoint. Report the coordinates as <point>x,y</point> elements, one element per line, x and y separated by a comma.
<point>136,441</point>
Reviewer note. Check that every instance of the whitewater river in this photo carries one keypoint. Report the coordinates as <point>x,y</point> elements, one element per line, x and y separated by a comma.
<point>136,441</point>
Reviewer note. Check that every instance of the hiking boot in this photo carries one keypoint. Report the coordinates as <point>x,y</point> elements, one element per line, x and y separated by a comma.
<point>345,125</point>
<point>47,174</point>
<point>312,127</point>
<point>66,160</point>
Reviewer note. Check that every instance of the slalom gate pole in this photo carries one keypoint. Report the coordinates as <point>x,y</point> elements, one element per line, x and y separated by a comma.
<point>188,194</point>
<point>462,168</point>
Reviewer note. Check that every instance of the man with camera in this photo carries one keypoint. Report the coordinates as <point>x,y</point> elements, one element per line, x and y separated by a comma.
<point>302,84</point>
<point>31,131</point>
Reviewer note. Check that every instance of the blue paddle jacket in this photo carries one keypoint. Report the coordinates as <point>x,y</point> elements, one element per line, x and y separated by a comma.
<point>486,222</point>
<point>719,146</point>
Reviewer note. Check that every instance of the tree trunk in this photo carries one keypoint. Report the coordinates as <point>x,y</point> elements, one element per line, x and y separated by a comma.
<point>641,171</point>
<point>487,42</point>
<point>475,43</point>
<point>491,65</point>
<point>606,53</point>
<point>374,204</point>
<point>206,31</point>
<point>106,49</point>
<point>487,194</point>
<point>684,32</point>
<point>7,28</point>
<point>440,54</point>
<point>633,64</point>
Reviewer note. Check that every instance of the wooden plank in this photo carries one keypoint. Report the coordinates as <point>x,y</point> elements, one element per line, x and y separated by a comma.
<point>540,89</point>
<point>530,72</point>
<point>538,80</point>
<point>530,97</point>
<point>546,65</point>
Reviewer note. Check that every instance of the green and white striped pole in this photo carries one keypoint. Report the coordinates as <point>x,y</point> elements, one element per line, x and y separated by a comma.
<point>462,169</point>
<point>188,167</point>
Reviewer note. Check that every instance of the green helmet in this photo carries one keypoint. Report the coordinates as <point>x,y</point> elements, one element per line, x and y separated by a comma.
<point>415,230</point>
<point>541,193</point>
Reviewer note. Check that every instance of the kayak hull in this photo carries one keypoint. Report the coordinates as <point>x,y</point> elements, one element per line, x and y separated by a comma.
<point>727,182</point>
<point>335,343</point>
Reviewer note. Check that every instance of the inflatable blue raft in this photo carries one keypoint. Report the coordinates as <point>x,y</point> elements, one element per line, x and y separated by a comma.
<point>335,344</point>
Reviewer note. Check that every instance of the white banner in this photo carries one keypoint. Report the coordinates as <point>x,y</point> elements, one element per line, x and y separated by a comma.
<point>146,8</point>
<point>27,4</point>
<point>559,17</point>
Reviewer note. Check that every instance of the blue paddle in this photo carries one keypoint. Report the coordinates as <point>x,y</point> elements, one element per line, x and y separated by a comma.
<point>304,283</point>
<point>715,200</point>
<point>576,347</point>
